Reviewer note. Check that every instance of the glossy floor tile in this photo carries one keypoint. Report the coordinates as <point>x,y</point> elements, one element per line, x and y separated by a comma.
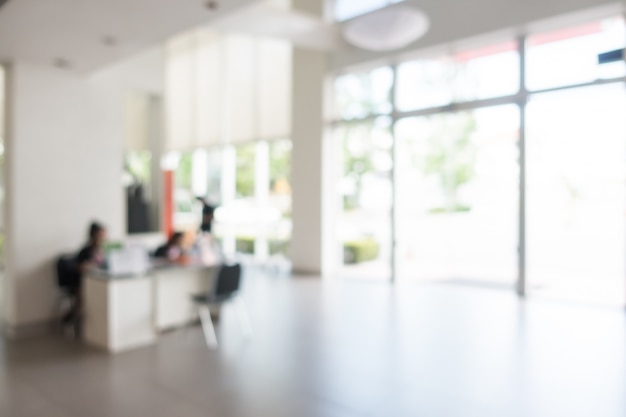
<point>343,350</point>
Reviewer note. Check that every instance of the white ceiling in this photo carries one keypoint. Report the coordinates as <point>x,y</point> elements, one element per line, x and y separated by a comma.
<point>268,19</point>
<point>41,31</point>
<point>454,20</point>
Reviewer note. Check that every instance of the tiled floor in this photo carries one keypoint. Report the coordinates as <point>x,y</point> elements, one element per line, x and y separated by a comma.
<point>343,350</point>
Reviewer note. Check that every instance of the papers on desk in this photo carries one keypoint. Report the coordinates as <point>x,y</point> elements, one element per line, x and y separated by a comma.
<point>132,259</point>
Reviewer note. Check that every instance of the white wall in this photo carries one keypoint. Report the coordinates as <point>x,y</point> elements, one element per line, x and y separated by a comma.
<point>64,164</point>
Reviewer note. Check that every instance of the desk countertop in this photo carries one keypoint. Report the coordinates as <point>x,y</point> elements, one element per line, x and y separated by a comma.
<point>155,266</point>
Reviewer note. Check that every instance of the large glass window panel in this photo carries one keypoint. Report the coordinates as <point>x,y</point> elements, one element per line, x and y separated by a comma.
<point>425,83</point>
<point>475,74</point>
<point>363,94</point>
<point>184,199</point>
<point>576,158</point>
<point>570,56</point>
<point>488,72</point>
<point>243,212</point>
<point>457,198</point>
<point>280,197</point>
<point>215,159</point>
<point>364,226</point>
<point>245,170</point>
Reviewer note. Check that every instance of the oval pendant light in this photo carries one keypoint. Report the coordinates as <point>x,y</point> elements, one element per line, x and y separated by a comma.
<point>387,29</point>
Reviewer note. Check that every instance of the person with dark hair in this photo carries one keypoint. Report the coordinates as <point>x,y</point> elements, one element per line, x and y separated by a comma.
<point>208,212</point>
<point>92,254</point>
<point>173,249</point>
<point>206,246</point>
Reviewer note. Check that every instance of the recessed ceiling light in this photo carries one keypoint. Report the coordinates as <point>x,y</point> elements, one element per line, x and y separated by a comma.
<point>109,41</point>
<point>212,5</point>
<point>61,63</point>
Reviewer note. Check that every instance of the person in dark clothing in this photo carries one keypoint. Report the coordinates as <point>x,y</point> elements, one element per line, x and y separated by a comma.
<point>92,254</point>
<point>208,212</point>
<point>173,249</point>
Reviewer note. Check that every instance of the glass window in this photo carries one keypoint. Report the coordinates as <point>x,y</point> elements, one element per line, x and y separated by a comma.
<point>576,147</point>
<point>280,167</point>
<point>570,56</point>
<point>364,227</point>
<point>245,170</point>
<point>280,197</point>
<point>457,199</point>
<point>183,176</point>
<point>469,75</point>
<point>360,95</point>
<point>215,158</point>
<point>140,204</point>
<point>487,72</point>
<point>138,166</point>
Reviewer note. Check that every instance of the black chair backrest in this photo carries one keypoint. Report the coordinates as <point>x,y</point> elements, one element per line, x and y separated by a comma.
<point>228,282</point>
<point>67,271</point>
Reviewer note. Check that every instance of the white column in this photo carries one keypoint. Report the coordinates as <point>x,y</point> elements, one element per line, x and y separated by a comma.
<point>308,238</point>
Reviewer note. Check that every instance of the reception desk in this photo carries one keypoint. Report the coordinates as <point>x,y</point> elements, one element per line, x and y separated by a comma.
<point>124,312</point>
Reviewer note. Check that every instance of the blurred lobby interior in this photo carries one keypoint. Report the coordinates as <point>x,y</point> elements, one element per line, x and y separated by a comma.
<point>427,199</point>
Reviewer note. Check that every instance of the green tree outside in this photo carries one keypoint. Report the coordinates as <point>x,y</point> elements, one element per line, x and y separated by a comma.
<point>450,157</point>
<point>245,170</point>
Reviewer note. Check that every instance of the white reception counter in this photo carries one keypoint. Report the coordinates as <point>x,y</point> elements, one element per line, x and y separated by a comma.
<point>123,312</point>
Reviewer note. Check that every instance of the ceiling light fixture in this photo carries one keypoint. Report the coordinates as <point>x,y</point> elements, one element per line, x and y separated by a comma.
<point>212,5</point>
<point>109,41</point>
<point>61,63</point>
<point>387,29</point>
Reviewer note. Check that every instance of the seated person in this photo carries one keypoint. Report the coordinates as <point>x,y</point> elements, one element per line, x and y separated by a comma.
<point>92,254</point>
<point>172,250</point>
<point>208,212</point>
<point>72,270</point>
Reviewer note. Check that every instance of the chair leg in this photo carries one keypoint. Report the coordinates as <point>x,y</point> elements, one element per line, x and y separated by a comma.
<point>192,314</point>
<point>207,327</point>
<point>244,318</point>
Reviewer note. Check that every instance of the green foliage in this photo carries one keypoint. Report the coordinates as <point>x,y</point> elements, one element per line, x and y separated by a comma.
<point>245,170</point>
<point>280,162</point>
<point>278,246</point>
<point>183,172</point>
<point>245,244</point>
<point>355,167</point>
<point>450,156</point>
<point>361,250</point>
<point>138,165</point>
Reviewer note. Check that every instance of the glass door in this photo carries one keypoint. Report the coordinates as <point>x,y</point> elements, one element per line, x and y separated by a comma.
<point>576,205</point>
<point>457,196</point>
<point>365,188</point>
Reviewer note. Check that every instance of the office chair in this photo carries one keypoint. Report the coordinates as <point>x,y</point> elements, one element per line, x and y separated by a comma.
<point>225,290</point>
<point>68,281</point>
